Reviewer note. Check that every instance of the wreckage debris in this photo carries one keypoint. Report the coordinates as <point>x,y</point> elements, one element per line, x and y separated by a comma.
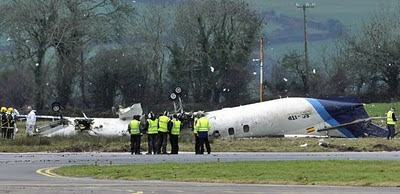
<point>386,147</point>
<point>93,148</point>
<point>340,147</point>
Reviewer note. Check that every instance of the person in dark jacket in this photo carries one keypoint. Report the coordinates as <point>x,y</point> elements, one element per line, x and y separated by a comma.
<point>136,135</point>
<point>201,128</point>
<point>391,123</point>
<point>10,123</point>
<point>163,121</point>
<point>175,127</point>
<point>4,122</point>
<point>151,128</point>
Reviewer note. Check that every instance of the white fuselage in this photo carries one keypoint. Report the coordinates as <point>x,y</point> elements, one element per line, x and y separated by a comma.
<point>101,127</point>
<point>287,116</point>
<point>281,117</point>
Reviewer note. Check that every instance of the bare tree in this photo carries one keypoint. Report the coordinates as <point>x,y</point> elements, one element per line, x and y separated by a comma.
<point>87,21</point>
<point>153,25</point>
<point>31,27</point>
<point>371,56</point>
<point>218,37</point>
<point>69,27</point>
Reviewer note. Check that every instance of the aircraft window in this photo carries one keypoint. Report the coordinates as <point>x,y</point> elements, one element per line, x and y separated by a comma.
<point>246,128</point>
<point>231,131</point>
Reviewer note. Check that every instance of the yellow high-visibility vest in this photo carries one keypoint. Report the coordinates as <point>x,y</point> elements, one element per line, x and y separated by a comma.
<point>134,127</point>
<point>202,125</point>
<point>163,123</point>
<point>176,128</point>
<point>153,129</point>
<point>389,118</point>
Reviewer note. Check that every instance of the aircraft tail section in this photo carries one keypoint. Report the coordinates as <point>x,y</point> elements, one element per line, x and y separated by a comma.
<point>343,111</point>
<point>374,130</point>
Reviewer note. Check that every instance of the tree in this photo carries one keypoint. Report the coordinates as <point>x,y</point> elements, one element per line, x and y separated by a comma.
<point>154,23</point>
<point>116,74</point>
<point>294,64</point>
<point>31,27</point>
<point>86,21</point>
<point>36,27</point>
<point>15,90</point>
<point>371,57</point>
<point>217,36</point>
<point>103,77</point>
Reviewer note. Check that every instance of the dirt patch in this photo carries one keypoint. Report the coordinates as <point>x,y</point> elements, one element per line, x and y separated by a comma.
<point>82,148</point>
<point>386,147</point>
<point>125,148</point>
<point>341,148</point>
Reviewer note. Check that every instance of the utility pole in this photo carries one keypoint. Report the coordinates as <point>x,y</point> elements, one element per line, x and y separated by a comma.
<point>306,73</point>
<point>261,67</point>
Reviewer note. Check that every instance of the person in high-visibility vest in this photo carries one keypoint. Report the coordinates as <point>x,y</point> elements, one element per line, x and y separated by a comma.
<point>134,130</point>
<point>152,130</point>
<point>391,122</point>
<point>176,127</point>
<point>202,127</point>
<point>4,122</point>
<point>10,124</point>
<point>162,133</point>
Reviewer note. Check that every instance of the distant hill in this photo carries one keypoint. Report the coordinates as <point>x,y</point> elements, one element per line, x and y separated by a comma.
<point>291,28</point>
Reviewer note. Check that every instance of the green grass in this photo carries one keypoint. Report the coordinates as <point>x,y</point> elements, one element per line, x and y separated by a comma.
<point>122,144</point>
<point>331,172</point>
<point>380,109</point>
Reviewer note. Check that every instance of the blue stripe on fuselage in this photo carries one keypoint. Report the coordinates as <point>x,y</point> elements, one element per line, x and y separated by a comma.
<point>327,117</point>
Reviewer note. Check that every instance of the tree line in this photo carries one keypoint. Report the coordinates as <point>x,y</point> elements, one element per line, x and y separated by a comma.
<point>97,54</point>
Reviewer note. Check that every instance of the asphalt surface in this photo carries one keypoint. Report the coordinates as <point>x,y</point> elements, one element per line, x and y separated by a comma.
<point>31,173</point>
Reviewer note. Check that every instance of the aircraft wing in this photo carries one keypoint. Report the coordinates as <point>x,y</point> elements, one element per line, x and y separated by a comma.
<point>365,126</point>
<point>344,125</point>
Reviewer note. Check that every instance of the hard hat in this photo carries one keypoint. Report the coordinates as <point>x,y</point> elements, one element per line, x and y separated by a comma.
<point>3,109</point>
<point>10,110</point>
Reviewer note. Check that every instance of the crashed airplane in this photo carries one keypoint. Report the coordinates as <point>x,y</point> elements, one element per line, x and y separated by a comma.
<point>301,117</point>
<point>298,117</point>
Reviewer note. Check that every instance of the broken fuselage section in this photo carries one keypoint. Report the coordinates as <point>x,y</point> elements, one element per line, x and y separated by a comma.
<point>67,126</point>
<point>301,117</point>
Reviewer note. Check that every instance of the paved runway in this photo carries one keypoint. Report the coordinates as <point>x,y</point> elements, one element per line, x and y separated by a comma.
<point>31,172</point>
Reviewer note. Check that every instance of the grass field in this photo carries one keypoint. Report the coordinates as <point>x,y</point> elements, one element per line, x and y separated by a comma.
<point>380,109</point>
<point>331,172</point>
<point>122,144</point>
